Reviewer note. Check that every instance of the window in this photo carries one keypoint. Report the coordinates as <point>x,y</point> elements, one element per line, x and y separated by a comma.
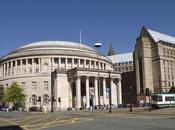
<point>34,100</point>
<point>36,60</point>
<point>75,61</point>
<point>69,61</point>
<point>23,84</point>
<point>30,70</point>
<point>169,98</point>
<point>36,70</point>
<point>159,98</point>
<point>87,62</point>
<point>46,86</point>
<point>45,99</point>
<point>34,85</point>
<point>63,60</point>
<point>81,61</point>
<point>56,60</point>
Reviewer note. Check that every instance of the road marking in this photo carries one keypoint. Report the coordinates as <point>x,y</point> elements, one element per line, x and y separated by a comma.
<point>14,123</point>
<point>49,123</point>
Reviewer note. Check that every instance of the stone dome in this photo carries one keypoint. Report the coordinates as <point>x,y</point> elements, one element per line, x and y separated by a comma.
<point>55,44</point>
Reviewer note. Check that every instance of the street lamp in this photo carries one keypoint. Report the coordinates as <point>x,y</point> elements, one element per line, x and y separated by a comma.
<point>98,45</point>
<point>110,109</point>
<point>130,97</point>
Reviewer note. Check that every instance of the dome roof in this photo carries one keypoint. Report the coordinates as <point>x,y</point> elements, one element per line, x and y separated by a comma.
<point>57,44</point>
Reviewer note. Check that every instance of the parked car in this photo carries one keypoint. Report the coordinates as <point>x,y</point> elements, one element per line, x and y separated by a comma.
<point>122,106</point>
<point>35,109</point>
<point>5,108</point>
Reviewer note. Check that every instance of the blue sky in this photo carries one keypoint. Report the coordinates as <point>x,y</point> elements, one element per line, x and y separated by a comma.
<point>105,21</point>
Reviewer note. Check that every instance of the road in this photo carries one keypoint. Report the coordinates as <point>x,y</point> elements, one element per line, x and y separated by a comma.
<point>85,120</point>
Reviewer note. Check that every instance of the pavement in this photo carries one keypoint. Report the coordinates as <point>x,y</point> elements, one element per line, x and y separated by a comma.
<point>68,119</point>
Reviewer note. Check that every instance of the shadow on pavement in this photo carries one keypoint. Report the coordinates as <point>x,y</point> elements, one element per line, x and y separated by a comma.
<point>14,127</point>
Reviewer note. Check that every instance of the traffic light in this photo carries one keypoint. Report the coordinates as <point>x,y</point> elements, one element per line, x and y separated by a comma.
<point>147,91</point>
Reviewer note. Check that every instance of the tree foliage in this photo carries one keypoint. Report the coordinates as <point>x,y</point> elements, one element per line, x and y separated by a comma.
<point>172,89</point>
<point>14,94</point>
<point>1,93</point>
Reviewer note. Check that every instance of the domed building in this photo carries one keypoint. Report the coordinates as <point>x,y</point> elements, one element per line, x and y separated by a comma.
<point>61,75</point>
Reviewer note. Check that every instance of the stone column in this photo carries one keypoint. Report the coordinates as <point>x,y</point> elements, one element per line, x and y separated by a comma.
<point>78,92</point>
<point>115,94</point>
<point>52,64</point>
<point>112,91</point>
<point>7,69</point>
<point>84,63</point>
<point>11,72</point>
<point>90,63</point>
<point>39,64</point>
<point>33,65</point>
<point>59,63</point>
<point>72,63</point>
<point>16,67</point>
<point>119,92</point>
<point>3,70</point>
<point>78,62</point>
<point>21,66</point>
<point>104,91</point>
<point>26,66</point>
<point>96,91</point>
<point>66,63</point>
<point>87,93</point>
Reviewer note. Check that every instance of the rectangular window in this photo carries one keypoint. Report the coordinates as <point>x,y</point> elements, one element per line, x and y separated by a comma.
<point>56,60</point>
<point>69,61</point>
<point>23,84</point>
<point>159,98</point>
<point>34,85</point>
<point>46,86</point>
<point>63,60</point>
<point>81,61</point>
<point>30,70</point>
<point>75,61</point>
<point>169,98</point>
<point>36,70</point>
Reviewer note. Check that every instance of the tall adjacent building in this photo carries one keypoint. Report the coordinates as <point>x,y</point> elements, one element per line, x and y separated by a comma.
<point>154,61</point>
<point>123,63</point>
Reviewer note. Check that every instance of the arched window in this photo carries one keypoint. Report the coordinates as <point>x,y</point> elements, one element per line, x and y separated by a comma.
<point>45,99</point>
<point>34,100</point>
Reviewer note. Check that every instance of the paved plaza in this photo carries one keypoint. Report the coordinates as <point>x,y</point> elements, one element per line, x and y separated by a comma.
<point>85,120</point>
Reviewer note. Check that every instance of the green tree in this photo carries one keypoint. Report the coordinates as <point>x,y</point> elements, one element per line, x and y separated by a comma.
<point>14,94</point>
<point>1,93</point>
<point>172,89</point>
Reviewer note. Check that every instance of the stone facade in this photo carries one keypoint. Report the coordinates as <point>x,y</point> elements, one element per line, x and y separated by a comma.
<point>123,63</point>
<point>154,61</point>
<point>75,64</point>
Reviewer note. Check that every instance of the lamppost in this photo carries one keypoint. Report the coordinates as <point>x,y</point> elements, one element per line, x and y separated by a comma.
<point>53,76</point>
<point>110,110</point>
<point>130,97</point>
<point>98,45</point>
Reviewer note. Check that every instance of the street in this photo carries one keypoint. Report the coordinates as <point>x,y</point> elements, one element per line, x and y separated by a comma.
<point>85,120</point>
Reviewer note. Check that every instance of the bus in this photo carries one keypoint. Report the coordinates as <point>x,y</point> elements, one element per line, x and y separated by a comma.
<point>163,100</point>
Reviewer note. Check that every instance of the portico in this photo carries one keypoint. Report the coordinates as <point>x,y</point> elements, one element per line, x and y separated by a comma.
<point>84,88</point>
